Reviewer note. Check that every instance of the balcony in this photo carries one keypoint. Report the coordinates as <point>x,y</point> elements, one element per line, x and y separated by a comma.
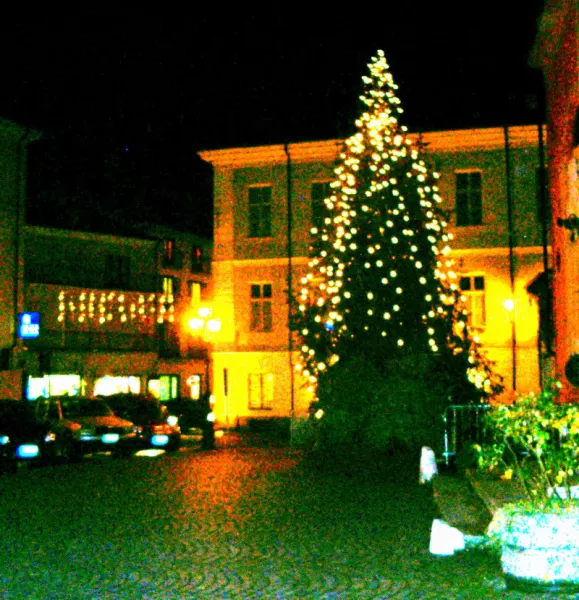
<point>95,319</point>
<point>93,340</point>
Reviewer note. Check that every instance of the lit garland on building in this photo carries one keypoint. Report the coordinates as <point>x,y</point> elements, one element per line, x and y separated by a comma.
<point>93,307</point>
<point>380,273</point>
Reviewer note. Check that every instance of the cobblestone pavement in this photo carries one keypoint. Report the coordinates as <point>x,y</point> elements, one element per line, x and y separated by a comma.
<point>234,523</point>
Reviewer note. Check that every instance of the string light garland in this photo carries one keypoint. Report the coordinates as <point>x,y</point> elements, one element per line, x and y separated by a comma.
<point>93,307</point>
<point>380,272</point>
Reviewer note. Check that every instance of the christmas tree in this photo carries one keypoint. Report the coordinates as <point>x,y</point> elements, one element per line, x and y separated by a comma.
<point>380,285</point>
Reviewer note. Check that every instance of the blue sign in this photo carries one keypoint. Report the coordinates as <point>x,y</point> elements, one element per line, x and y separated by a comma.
<point>28,325</point>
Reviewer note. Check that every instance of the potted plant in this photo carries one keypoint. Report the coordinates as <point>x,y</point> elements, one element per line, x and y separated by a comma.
<point>535,441</point>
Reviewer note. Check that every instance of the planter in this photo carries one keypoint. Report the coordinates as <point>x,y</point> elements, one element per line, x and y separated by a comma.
<point>540,552</point>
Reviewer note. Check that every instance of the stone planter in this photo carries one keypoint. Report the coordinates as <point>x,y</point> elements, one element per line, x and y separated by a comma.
<point>540,552</point>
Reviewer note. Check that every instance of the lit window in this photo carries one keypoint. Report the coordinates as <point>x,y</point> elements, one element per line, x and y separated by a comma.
<point>197,257</point>
<point>169,252</point>
<point>473,289</point>
<point>469,198</point>
<point>170,286</point>
<point>261,317</point>
<point>195,290</point>
<point>320,191</point>
<point>260,211</point>
<point>260,391</point>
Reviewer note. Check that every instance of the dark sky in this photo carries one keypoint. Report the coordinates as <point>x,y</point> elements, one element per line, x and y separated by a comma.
<point>126,101</point>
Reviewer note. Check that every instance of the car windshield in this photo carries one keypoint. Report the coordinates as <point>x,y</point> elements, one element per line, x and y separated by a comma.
<point>90,408</point>
<point>145,411</point>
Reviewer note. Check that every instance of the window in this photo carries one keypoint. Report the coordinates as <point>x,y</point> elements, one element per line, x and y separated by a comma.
<point>542,200</point>
<point>261,307</point>
<point>170,287</point>
<point>260,391</point>
<point>320,191</point>
<point>197,259</point>
<point>260,211</point>
<point>168,252</point>
<point>117,272</point>
<point>473,290</point>
<point>195,292</point>
<point>469,198</point>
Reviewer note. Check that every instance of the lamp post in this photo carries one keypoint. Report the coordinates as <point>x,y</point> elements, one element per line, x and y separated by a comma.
<point>204,326</point>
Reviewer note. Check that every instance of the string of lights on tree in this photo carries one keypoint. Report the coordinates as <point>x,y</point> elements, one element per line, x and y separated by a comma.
<point>93,307</point>
<point>380,277</point>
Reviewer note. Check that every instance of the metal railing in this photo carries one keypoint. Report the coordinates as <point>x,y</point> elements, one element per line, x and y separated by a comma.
<point>463,424</point>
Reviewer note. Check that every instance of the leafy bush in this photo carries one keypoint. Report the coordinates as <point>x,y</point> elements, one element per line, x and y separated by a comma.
<point>536,440</point>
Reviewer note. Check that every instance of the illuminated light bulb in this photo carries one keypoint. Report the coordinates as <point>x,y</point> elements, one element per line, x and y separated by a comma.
<point>370,295</point>
<point>398,290</point>
<point>400,342</point>
<point>387,315</point>
<point>396,308</point>
<point>509,304</point>
<point>393,273</point>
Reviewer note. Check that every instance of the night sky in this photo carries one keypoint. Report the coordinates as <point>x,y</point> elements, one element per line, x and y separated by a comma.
<point>125,102</point>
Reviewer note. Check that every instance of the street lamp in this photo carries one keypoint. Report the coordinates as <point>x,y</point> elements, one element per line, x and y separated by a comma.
<point>202,324</point>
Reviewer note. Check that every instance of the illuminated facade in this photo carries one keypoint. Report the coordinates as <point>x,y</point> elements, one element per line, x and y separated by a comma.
<point>556,53</point>
<point>265,199</point>
<point>110,312</point>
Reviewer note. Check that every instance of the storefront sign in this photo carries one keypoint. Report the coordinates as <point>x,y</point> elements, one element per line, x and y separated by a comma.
<point>28,325</point>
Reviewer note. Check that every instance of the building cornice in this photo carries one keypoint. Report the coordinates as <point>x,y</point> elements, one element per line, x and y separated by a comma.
<point>84,235</point>
<point>455,252</point>
<point>460,140</point>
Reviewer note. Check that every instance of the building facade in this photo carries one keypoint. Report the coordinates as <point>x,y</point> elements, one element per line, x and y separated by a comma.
<point>265,203</point>
<point>112,313</point>
<point>556,53</point>
<point>14,141</point>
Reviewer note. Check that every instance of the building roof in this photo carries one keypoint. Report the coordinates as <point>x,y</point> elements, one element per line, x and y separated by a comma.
<point>438,141</point>
<point>13,130</point>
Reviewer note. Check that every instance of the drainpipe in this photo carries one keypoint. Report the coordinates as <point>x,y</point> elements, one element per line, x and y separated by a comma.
<point>289,278</point>
<point>511,255</point>
<point>545,245</point>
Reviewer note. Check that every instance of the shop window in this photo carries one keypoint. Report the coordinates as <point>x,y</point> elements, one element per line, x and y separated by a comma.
<point>261,391</point>
<point>194,383</point>
<point>260,211</point>
<point>319,192</point>
<point>164,387</point>
<point>261,315</point>
<point>469,198</point>
<point>473,291</point>
<point>122,384</point>
<point>55,385</point>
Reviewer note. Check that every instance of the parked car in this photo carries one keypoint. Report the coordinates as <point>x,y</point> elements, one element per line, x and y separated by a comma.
<point>156,427</point>
<point>195,416</point>
<point>23,439</point>
<point>85,425</point>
